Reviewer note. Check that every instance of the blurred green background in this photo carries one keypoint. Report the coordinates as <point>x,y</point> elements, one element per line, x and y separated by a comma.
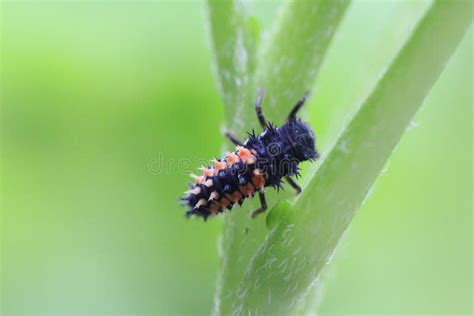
<point>94,93</point>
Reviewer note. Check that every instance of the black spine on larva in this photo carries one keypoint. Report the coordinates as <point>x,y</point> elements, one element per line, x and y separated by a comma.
<point>278,151</point>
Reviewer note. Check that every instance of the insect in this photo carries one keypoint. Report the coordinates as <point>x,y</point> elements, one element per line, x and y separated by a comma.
<point>260,161</point>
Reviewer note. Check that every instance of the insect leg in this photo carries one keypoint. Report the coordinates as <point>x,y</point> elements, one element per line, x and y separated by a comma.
<point>233,139</point>
<point>263,202</point>
<point>293,184</point>
<point>298,106</point>
<point>258,109</point>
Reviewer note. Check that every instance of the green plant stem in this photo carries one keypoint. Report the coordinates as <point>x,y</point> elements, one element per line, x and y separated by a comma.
<point>300,244</point>
<point>289,65</point>
<point>234,38</point>
<point>293,56</point>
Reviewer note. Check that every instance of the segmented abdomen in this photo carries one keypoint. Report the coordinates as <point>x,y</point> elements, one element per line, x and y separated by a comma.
<point>228,181</point>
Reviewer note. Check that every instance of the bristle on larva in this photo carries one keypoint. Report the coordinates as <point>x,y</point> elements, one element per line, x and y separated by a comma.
<point>194,191</point>
<point>198,179</point>
<point>213,196</point>
<point>201,202</point>
<point>219,165</point>
<point>207,172</point>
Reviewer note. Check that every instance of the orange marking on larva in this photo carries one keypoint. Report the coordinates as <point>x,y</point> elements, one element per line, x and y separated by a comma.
<point>257,172</point>
<point>219,165</point>
<point>214,207</point>
<point>248,159</point>
<point>224,202</point>
<point>245,155</point>
<point>250,188</point>
<point>198,179</point>
<point>247,189</point>
<point>231,159</point>
<point>235,197</point>
<point>258,181</point>
<point>208,172</point>
<point>242,151</point>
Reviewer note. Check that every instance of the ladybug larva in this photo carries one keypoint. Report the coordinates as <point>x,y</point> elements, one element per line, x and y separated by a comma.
<point>260,161</point>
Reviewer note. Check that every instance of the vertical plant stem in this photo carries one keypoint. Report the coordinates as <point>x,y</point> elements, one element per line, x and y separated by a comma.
<point>288,67</point>
<point>234,38</point>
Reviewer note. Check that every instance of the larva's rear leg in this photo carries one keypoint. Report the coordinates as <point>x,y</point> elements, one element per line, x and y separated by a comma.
<point>298,106</point>
<point>233,139</point>
<point>293,184</point>
<point>258,109</point>
<point>263,202</point>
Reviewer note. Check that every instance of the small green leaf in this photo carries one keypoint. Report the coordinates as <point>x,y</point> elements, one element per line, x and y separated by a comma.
<point>281,212</point>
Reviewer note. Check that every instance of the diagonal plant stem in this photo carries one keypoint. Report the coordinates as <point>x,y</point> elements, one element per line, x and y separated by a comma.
<point>303,237</point>
<point>288,67</point>
<point>293,56</point>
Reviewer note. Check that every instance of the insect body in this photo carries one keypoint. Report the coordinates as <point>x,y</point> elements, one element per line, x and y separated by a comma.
<point>259,162</point>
